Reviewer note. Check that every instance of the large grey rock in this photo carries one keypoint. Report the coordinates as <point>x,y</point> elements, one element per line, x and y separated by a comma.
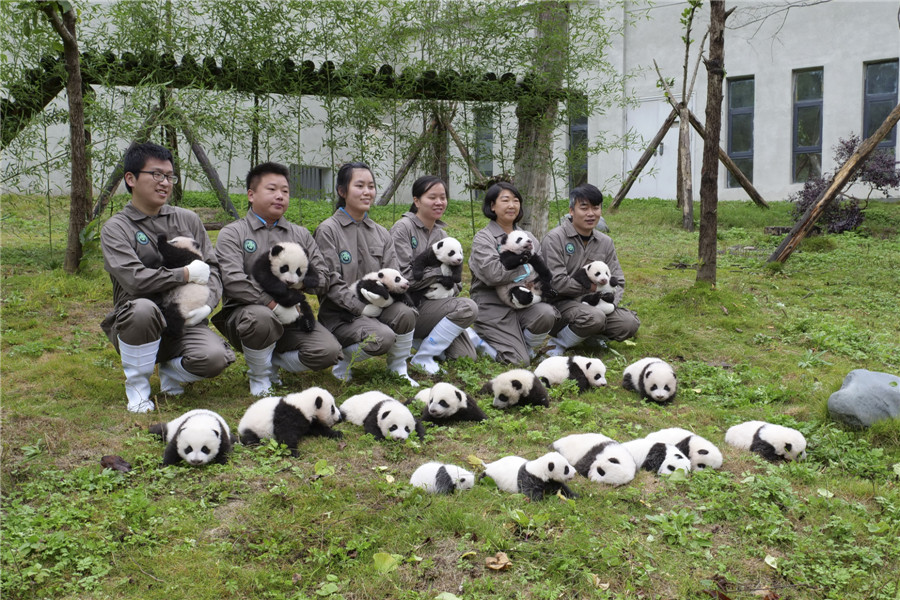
<point>866,397</point>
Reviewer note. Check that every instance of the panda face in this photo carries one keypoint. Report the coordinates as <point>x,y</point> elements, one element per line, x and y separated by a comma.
<point>199,443</point>
<point>551,467</point>
<point>594,370</point>
<point>395,421</point>
<point>445,400</point>
<point>703,454</point>
<point>598,272</point>
<point>393,280</point>
<point>316,404</point>
<point>613,466</point>
<point>448,251</point>
<point>660,383</point>
<point>516,242</point>
<point>288,263</point>
<point>788,443</point>
<point>186,243</point>
<point>463,479</point>
<point>510,387</point>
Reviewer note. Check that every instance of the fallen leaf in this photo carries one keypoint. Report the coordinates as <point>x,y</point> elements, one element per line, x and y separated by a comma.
<point>384,562</point>
<point>475,461</point>
<point>599,584</point>
<point>296,578</point>
<point>116,463</point>
<point>772,561</point>
<point>498,562</point>
<point>724,310</point>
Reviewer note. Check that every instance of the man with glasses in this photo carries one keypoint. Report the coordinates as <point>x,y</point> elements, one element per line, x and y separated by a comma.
<point>136,325</point>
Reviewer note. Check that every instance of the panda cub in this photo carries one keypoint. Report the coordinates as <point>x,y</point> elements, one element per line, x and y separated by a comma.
<point>597,457</point>
<point>447,254</point>
<point>516,386</point>
<point>517,249</point>
<point>586,372</point>
<point>382,416</point>
<point>652,378</point>
<point>598,273</point>
<point>283,272</point>
<point>544,476</point>
<point>657,457</point>
<point>437,478</point>
<point>197,437</point>
<point>773,442</point>
<point>287,420</point>
<point>177,303</point>
<point>446,403</point>
<point>702,452</point>
<point>379,289</point>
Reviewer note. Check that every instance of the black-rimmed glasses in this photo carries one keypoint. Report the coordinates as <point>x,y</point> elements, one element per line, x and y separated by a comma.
<point>159,177</point>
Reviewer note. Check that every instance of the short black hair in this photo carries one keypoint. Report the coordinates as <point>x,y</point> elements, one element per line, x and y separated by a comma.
<point>491,195</point>
<point>257,172</point>
<point>587,192</point>
<point>421,186</point>
<point>137,156</point>
<point>344,175</point>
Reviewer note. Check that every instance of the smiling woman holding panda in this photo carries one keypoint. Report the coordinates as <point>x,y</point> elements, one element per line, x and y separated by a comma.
<point>354,246</point>
<point>426,253</point>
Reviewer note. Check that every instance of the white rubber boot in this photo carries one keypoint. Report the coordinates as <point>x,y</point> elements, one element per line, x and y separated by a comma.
<point>534,341</point>
<point>481,346</point>
<point>138,363</point>
<point>289,361</point>
<point>172,376</point>
<point>352,354</point>
<point>565,339</point>
<point>259,369</point>
<point>399,354</point>
<point>432,346</point>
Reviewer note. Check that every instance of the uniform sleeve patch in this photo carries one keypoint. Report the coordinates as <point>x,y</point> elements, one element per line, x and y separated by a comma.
<point>141,238</point>
<point>570,248</point>
<point>250,246</point>
<point>414,242</point>
<point>345,257</point>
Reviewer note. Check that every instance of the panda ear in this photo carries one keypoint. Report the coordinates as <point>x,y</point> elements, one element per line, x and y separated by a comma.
<point>503,239</point>
<point>319,401</point>
<point>459,396</point>
<point>440,244</point>
<point>276,250</point>
<point>787,446</point>
<point>380,275</point>
<point>217,432</point>
<point>587,365</point>
<point>516,384</point>
<point>385,414</point>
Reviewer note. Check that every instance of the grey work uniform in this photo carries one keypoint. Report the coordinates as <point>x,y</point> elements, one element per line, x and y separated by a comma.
<point>245,318</point>
<point>498,324</point>
<point>352,249</point>
<point>565,252</point>
<point>411,239</point>
<point>131,258</point>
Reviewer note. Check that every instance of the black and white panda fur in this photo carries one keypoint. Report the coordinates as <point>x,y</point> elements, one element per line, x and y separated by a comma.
<point>516,386</point>
<point>289,419</point>
<point>597,457</point>
<point>544,476</point>
<point>446,253</point>
<point>773,442</point>
<point>437,478</point>
<point>177,303</point>
<point>382,416</point>
<point>657,457</point>
<point>702,452</point>
<point>533,288</point>
<point>598,273</point>
<point>653,378</point>
<point>379,289</point>
<point>446,403</point>
<point>197,437</point>
<point>586,372</point>
<point>283,272</point>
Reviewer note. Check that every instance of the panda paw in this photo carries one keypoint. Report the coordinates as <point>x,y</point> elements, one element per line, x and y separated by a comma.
<point>306,323</point>
<point>370,310</point>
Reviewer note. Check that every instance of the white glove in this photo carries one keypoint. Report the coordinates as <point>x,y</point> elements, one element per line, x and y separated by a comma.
<point>373,298</point>
<point>197,315</point>
<point>198,272</point>
<point>286,314</point>
<point>370,310</point>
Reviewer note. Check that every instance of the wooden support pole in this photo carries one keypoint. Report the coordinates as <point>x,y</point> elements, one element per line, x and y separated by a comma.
<point>407,164</point>
<point>808,221</point>
<point>476,173</point>
<point>645,158</point>
<point>208,169</point>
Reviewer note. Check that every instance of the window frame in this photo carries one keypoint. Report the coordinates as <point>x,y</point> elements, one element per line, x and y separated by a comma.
<point>890,140</point>
<point>796,149</point>
<point>730,180</point>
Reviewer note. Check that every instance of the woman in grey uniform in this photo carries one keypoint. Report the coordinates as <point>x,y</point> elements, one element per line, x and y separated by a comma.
<point>510,335</point>
<point>352,246</point>
<point>440,321</point>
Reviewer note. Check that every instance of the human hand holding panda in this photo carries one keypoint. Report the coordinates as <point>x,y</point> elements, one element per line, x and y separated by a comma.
<point>516,249</point>
<point>185,305</point>
<point>283,272</point>
<point>379,289</point>
<point>447,254</point>
<point>597,277</point>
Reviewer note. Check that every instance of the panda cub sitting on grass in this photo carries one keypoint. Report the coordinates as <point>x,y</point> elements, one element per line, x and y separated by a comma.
<point>198,437</point>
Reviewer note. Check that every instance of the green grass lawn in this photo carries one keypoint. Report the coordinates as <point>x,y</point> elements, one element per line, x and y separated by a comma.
<point>341,521</point>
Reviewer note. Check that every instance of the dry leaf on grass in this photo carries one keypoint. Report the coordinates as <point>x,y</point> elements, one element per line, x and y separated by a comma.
<point>498,562</point>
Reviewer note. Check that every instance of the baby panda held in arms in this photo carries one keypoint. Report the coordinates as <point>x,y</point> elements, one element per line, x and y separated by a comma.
<point>516,249</point>
<point>586,372</point>
<point>289,419</point>
<point>283,272</point>
<point>597,273</point>
<point>446,253</point>
<point>536,479</point>
<point>382,416</point>
<point>379,289</point>
<point>653,378</point>
<point>773,442</point>
<point>198,437</point>
<point>516,386</point>
<point>446,403</point>
<point>185,304</point>
<point>437,478</point>
<point>597,457</point>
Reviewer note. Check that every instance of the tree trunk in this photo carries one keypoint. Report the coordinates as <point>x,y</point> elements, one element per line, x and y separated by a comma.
<point>685,178</point>
<point>536,115</point>
<point>81,197</point>
<point>709,180</point>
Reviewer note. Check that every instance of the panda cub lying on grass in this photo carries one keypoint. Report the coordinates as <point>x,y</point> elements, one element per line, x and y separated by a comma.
<point>653,378</point>
<point>198,437</point>
<point>773,442</point>
<point>382,416</point>
<point>535,478</point>
<point>437,478</point>
<point>516,386</point>
<point>289,419</point>
<point>586,372</point>
<point>446,403</point>
<point>597,457</point>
